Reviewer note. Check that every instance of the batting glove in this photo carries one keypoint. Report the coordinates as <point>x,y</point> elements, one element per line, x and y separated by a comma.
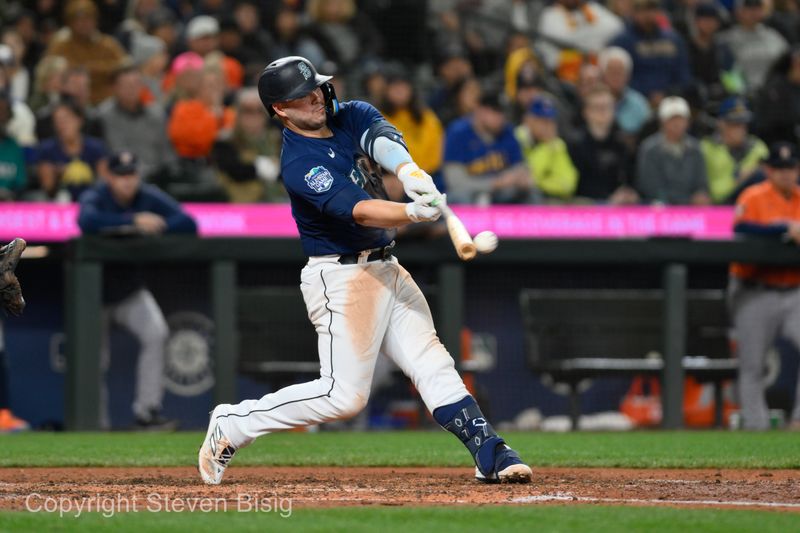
<point>423,210</point>
<point>416,182</point>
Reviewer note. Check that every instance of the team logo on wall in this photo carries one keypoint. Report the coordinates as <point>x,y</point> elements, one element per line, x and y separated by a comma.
<point>187,358</point>
<point>304,70</point>
<point>319,179</point>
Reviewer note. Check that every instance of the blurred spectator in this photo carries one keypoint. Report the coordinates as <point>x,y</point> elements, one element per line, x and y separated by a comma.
<point>395,20</point>
<point>9,423</point>
<point>785,18</point>
<point>601,157</point>
<point>162,23</point>
<point>134,24</point>
<point>70,162</point>
<point>292,39</point>
<point>731,154</point>
<point>149,55</point>
<point>196,122</point>
<point>763,299</point>
<point>545,152</point>
<point>755,46</point>
<point>571,29</point>
<point>24,22</point>
<point>660,61</point>
<point>482,27</point>
<point>187,72</point>
<point>670,166</point>
<point>346,35</point>
<point>75,85</point>
<point>482,159</point>
<point>122,204</point>
<point>421,129</point>
<point>11,56</point>
<point>452,68</point>
<point>13,177</point>
<point>256,44</point>
<point>47,82</point>
<point>21,127</point>
<point>131,125</point>
<point>248,159</point>
<point>202,38</point>
<point>84,45</point>
<point>777,108</point>
<point>462,101</point>
<point>632,109</point>
<point>712,61</point>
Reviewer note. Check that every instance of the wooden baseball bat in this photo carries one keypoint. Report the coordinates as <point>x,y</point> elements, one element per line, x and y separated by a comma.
<point>462,242</point>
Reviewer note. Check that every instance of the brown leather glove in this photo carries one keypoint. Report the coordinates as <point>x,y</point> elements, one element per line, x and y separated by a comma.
<point>10,291</point>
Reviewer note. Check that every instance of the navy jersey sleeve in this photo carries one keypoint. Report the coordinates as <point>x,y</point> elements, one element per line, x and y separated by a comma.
<point>357,117</point>
<point>160,203</point>
<point>94,216</point>
<point>330,192</point>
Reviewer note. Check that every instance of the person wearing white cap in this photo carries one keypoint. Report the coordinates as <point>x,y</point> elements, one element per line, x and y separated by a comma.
<point>670,167</point>
<point>202,38</point>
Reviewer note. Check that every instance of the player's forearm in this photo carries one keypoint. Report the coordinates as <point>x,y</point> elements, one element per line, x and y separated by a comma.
<point>380,214</point>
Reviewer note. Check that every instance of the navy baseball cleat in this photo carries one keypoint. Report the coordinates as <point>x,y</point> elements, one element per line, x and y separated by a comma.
<point>215,452</point>
<point>509,468</point>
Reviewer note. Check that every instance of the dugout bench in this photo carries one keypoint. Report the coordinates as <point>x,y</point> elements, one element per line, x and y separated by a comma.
<point>573,335</point>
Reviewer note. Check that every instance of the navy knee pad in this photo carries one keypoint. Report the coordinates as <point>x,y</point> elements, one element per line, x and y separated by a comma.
<point>465,420</point>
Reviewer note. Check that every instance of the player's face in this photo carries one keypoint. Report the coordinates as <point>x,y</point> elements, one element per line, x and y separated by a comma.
<point>784,179</point>
<point>123,187</point>
<point>306,113</point>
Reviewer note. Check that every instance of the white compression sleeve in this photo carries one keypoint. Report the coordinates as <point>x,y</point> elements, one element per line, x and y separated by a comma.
<point>388,153</point>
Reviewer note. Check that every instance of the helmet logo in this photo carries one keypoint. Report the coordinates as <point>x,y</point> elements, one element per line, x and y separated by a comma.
<point>304,70</point>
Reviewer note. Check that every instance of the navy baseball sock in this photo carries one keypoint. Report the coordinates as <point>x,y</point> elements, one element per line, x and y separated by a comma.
<point>465,420</point>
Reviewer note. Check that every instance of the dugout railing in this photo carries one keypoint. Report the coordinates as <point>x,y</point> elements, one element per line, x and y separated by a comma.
<point>84,272</point>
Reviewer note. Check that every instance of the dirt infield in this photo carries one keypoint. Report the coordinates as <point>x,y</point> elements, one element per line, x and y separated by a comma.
<point>21,488</point>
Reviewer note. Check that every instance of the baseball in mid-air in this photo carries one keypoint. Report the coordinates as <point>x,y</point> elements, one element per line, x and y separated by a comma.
<point>485,242</point>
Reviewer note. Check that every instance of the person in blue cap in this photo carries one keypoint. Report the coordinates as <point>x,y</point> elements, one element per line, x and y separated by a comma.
<point>731,154</point>
<point>546,153</point>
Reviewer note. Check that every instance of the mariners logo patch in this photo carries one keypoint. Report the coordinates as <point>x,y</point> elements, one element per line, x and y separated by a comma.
<point>319,179</point>
<point>304,70</point>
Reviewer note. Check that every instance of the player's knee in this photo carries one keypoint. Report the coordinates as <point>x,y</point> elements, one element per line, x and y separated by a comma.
<point>348,405</point>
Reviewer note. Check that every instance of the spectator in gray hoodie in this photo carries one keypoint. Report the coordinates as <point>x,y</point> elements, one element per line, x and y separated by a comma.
<point>670,167</point>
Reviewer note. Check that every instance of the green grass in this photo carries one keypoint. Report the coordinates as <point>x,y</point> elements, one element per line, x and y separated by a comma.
<point>405,520</point>
<point>656,449</point>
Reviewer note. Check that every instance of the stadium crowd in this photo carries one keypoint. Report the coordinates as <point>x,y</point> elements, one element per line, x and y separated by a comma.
<point>502,101</point>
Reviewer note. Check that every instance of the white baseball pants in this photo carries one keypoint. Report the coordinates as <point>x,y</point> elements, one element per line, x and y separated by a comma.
<point>358,311</point>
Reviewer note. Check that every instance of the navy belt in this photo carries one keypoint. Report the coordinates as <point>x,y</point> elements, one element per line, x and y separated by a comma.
<point>375,254</point>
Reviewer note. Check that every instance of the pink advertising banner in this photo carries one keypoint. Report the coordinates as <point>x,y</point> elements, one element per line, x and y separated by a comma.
<point>43,222</point>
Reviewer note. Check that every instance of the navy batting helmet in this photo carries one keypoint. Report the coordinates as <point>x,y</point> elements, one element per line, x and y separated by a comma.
<point>294,77</point>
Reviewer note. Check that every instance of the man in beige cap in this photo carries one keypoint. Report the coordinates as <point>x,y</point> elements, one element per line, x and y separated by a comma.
<point>670,167</point>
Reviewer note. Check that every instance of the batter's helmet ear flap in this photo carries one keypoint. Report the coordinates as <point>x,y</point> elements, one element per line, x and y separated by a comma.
<point>331,102</point>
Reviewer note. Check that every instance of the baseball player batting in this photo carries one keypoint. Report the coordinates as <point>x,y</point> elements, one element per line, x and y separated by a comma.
<point>360,299</point>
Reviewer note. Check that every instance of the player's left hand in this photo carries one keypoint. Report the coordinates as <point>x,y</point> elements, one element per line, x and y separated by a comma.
<point>10,291</point>
<point>423,210</point>
<point>416,182</point>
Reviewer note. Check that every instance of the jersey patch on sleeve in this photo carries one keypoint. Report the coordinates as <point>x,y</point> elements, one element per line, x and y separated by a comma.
<point>319,179</point>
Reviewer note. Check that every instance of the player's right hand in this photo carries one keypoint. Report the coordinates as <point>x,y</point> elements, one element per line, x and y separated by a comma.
<point>149,223</point>
<point>416,182</point>
<point>423,210</point>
